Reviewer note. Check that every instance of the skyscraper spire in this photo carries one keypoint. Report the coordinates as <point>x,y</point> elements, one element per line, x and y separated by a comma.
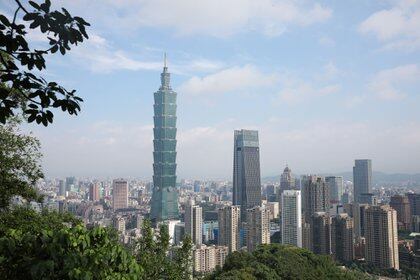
<point>165,77</point>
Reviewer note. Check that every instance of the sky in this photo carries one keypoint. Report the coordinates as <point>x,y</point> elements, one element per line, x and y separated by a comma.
<point>324,83</point>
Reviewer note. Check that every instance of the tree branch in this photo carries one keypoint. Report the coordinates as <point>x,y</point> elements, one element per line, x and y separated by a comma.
<point>21,6</point>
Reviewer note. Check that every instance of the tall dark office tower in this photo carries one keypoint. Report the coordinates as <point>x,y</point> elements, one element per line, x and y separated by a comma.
<point>362,180</point>
<point>165,195</point>
<point>315,196</point>
<point>246,170</point>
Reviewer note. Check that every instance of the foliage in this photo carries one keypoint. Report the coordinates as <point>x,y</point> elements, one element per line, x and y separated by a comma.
<point>21,87</point>
<point>281,262</point>
<point>51,250</point>
<point>30,221</point>
<point>182,260</point>
<point>152,253</point>
<point>19,168</point>
<point>404,272</point>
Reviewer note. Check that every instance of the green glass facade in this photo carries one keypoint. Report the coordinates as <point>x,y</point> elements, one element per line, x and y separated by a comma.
<point>165,195</point>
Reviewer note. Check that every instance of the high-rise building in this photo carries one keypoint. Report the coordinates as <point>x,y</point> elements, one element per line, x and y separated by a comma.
<point>321,233</point>
<point>415,223</point>
<point>274,209</point>
<point>61,188</point>
<point>179,233</point>
<point>291,217</point>
<point>119,194</point>
<point>362,179</point>
<point>414,199</point>
<point>70,183</point>
<point>270,190</point>
<point>306,235</point>
<point>209,230</point>
<point>335,185</point>
<point>342,246</point>
<point>257,227</point>
<point>381,236</point>
<point>358,215</point>
<point>119,224</point>
<point>194,222</point>
<point>315,196</point>
<point>401,204</point>
<point>228,219</point>
<point>246,170</point>
<point>94,191</point>
<point>62,206</point>
<point>165,196</point>
<point>207,258</point>
<point>287,181</point>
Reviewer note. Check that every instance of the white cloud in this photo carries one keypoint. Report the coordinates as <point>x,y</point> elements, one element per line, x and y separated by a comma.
<point>228,80</point>
<point>101,56</point>
<point>218,18</point>
<point>300,91</point>
<point>398,27</point>
<point>386,84</point>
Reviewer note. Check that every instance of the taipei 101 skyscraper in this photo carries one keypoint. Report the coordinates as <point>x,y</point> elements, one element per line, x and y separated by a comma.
<point>165,194</point>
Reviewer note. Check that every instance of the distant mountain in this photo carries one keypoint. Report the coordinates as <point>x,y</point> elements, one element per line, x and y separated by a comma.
<point>378,177</point>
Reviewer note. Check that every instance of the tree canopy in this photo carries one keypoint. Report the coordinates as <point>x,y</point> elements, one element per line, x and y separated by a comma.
<point>21,88</point>
<point>53,250</point>
<point>49,245</point>
<point>20,167</point>
<point>276,261</point>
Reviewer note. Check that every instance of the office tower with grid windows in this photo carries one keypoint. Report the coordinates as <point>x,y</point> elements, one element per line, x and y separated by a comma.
<point>164,203</point>
<point>246,170</point>
<point>362,181</point>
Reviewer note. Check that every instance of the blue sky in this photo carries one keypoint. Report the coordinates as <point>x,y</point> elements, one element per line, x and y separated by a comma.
<point>323,82</point>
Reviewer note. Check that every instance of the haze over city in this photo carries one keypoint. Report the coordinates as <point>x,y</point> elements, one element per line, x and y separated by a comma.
<point>323,83</point>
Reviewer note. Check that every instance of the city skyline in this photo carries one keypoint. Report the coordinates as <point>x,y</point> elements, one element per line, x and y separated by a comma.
<point>316,96</point>
<point>328,76</point>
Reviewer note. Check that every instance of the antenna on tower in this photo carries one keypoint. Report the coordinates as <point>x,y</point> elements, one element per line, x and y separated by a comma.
<point>164,60</point>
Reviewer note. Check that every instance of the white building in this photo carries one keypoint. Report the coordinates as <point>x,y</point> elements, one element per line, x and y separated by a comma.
<point>291,214</point>
<point>206,258</point>
<point>274,209</point>
<point>194,222</point>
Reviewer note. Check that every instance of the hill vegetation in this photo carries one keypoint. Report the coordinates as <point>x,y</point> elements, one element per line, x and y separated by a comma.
<point>276,261</point>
